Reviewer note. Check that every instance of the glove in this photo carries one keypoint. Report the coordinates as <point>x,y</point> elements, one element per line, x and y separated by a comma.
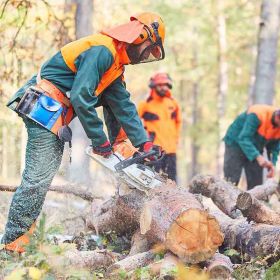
<point>147,147</point>
<point>104,150</point>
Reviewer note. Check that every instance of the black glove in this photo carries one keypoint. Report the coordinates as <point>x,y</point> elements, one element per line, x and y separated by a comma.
<point>147,147</point>
<point>104,150</point>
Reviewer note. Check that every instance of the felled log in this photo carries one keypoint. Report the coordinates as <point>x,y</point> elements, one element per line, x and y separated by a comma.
<point>223,193</point>
<point>255,240</point>
<point>120,214</point>
<point>173,217</point>
<point>132,262</point>
<point>168,215</point>
<point>169,265</point>
<point>255,210</point>
<point>219,267</point>
<point>262,192</point>
<point>91,259</point>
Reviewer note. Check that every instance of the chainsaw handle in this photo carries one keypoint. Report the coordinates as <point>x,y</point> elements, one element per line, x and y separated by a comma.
<point>152,162</point>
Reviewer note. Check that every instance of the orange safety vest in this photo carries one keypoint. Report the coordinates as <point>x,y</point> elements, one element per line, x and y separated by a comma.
<point>265,114</point>
<point>72,50</point>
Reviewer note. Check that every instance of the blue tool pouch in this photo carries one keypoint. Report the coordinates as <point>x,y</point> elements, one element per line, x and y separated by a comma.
<point>40,108</point>
<point>46,111</point>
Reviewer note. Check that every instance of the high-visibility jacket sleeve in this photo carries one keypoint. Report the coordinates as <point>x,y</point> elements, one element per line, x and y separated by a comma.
<point>91,65</point>
<point>273,149</point>
<point>118,99</point>
<point>246,136</point>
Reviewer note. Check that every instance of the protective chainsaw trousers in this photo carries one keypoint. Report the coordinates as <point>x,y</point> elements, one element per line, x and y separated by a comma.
<point>43,157</point>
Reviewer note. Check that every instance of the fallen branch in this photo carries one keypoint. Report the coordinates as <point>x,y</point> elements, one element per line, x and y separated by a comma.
<point>262,192</point>
<point>65,189</point>
<point>91,259</point>
<point>256,211</point>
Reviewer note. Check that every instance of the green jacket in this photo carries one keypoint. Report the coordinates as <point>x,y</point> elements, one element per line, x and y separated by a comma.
<point>115,99</point>
<point>243,133</point>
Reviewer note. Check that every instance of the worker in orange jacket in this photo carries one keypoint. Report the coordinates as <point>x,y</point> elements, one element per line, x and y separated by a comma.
<point>161,116</point>
<point>81,76</point>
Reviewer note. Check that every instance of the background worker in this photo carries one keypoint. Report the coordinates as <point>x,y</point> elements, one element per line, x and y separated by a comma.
<point>83,75</point>
<point>251,132</point>
<point>161,116</point>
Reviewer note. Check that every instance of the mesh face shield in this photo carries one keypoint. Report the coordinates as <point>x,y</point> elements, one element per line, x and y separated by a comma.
<point>154,51</point>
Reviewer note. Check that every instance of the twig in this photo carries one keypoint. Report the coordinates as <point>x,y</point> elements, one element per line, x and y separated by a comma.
<point>66,189</point>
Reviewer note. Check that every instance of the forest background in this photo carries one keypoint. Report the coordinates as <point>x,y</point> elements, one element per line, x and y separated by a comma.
<point>211,54</point>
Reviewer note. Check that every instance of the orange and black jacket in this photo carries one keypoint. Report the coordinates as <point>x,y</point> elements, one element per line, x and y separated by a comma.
<point>162,120</point>
<point>253,131</point>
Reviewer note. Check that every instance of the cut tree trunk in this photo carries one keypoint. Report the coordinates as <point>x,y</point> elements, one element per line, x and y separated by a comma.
<point>167,216</point>
<point>173,217</point>
<point>256,211</point>
<point>219,267</point>
<point>120,214</point>
<point>253,240</point>
<point>223,194</point>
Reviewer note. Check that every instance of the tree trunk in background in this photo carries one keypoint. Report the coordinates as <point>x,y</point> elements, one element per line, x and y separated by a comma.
<point>267,52</point>
<point>195,111</point>
<point>194,146</point>
<point>222,81</point>
<point>4,171</point>
<point>79,168</point>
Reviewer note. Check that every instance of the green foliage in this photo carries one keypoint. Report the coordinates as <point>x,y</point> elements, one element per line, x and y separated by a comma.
<point>231,253</point>
<point>273,273</point>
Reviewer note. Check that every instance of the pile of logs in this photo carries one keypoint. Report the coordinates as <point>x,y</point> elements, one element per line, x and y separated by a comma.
<point>191,225</point>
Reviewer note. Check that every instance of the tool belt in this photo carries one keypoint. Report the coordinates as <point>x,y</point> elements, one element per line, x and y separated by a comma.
<point>45,104</point>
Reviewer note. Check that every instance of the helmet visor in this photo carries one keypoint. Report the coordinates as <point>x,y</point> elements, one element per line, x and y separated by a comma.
<point>153,52</point>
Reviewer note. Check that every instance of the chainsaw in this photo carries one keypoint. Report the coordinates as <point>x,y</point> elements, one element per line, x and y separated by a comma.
<point>136,171</point>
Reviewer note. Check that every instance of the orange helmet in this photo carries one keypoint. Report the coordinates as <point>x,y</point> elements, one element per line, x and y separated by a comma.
<point>149,20</point>
<point>159,79</point>
<point>154,31</point>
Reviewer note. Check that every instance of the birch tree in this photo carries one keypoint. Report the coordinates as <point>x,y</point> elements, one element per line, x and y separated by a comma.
<point>264,86</point>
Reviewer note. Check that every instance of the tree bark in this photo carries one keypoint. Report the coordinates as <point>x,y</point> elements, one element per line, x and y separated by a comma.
<point>253,240</point>
<point>221,192</point>
<point>168,216</point>
<point>132,262</point>
<point>264,86</point>
<point>256,211</point>
<point>219,267</point>
<point>262,192</point>
<point>139,243</point>
<point>91,259</point>
<point>174,218</point>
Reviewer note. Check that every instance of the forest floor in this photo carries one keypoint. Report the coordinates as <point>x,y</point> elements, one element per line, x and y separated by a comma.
<point>61,217</point>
